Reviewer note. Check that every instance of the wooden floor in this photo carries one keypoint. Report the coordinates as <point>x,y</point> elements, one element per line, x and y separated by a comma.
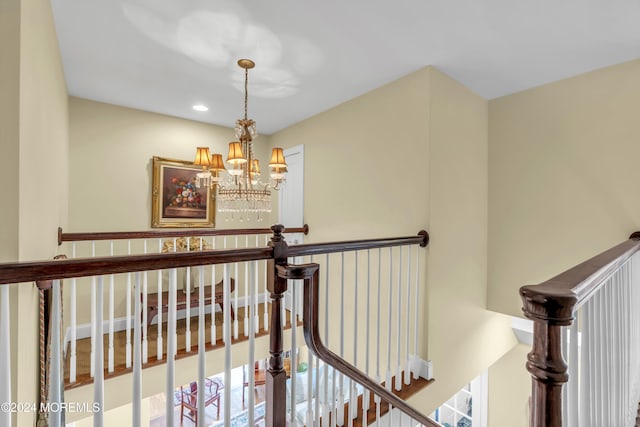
<point>157,403</point>
<point>83,346</point>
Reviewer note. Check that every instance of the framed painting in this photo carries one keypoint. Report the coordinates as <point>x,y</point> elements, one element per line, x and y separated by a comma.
<point>176,202</point>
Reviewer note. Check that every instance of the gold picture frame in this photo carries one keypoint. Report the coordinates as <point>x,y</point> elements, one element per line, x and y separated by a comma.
<point>175,200</point>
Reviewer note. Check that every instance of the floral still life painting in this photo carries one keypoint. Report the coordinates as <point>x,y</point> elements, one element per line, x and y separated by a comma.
<point>176,202</point>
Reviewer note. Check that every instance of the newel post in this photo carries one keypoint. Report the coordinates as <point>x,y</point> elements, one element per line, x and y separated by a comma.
<point>550,313</point>
<point>276,409</point>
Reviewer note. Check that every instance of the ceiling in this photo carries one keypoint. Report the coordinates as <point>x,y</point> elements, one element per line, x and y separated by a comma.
<point>166,55</point>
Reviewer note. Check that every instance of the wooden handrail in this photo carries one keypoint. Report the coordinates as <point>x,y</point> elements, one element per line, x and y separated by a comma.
<point>163,234</point>
<point>82,267</point>
<point>309,274</point>
<point>421,239</point>
<point>552,305</point>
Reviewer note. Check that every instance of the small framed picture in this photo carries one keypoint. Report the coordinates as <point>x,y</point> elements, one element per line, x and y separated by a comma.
<point>176,202</point>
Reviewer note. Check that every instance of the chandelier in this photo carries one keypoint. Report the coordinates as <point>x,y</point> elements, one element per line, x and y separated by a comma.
<point>239,187</point>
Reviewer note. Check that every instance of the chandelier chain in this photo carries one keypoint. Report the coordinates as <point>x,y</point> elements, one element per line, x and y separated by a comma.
<point>246,91</point>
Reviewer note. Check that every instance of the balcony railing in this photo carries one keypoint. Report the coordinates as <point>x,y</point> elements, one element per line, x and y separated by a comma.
<point>341,292</point>
<point>587,339</point>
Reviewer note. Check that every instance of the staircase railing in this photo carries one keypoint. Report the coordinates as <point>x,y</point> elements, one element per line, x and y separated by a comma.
<point>277,255</point>
<point>153,289</point>
<point>587,335</point>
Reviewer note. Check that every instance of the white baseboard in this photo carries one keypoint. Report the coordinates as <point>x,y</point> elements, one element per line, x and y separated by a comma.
<point>523,329</point>
<point>424,368</point>
<point>120,323</point>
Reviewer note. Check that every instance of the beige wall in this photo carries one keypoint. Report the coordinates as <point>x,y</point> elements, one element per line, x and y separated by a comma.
<point>363,159</point>
<point>509,389</point>
<point>9,124</point>
<point>562,177</point>
<point>33,118</point>
<point>410,155</point>
<point>111,148</point>
<point>463,337</point>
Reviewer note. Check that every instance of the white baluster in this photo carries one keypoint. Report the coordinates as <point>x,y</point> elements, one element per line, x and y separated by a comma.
<point>298,300</point>
<point>235,293</point>
<point>73,363</point>
<point>137,359</point>
<point>390,320</point>
<point>214,334</point>
<point>265,320</point>
<point>98,377</point>
<point>309,417</point>
<point>406,368</point>
<point>416,312</point>
<point>145,289</point>
<point>224,298</point>
<point>601,337</point>
<point>159,343</point>
<point>365,398</point>
<point>174,294</point>
<point>227,345</point>
<point>315,418</point>
<point>586,364</point>
<point>246,292</point>
<point>574,375</point>
<point>378,317</point>
<point>627,321</point>
<point>615,310</point>
<point>335,404</point>
<point>328,405</point>
<point>564,349</point>
<point>111,309</point>
<point>187,318</point>
<point>201,344</point>
<point>252,344</point>
<point>255,284</point>
<point>128,326</point>
<point>340,409</point>
<point>352,388</point>
<point>56,385</point>
<point>608,378</point>
<point>5,354</point>
<point>171,347</point>
<point>398,380</point>
<point>294,353</point>
<point>93,316</point>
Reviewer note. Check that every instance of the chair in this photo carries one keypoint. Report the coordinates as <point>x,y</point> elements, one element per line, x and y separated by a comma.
<point>259,378</point>
<point>189,399</point>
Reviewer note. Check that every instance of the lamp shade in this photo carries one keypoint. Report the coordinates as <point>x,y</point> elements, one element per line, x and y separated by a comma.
<point>216,163</point>
<point>203,157</point>
<point>236,156</point>
<point>277,158</point>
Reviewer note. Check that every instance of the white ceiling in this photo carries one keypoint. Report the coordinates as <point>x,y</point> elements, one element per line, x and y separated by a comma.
<point>167,55</point>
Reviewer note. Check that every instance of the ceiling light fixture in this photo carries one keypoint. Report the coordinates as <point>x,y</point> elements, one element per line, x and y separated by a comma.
<point>200,107</point>
<point>240,190</point>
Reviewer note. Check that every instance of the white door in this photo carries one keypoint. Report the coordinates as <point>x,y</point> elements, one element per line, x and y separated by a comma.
<point>291,196</point>
<point>291,205</point>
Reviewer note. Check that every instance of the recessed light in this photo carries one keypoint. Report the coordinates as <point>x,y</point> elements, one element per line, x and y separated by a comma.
<point>200,107</point>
